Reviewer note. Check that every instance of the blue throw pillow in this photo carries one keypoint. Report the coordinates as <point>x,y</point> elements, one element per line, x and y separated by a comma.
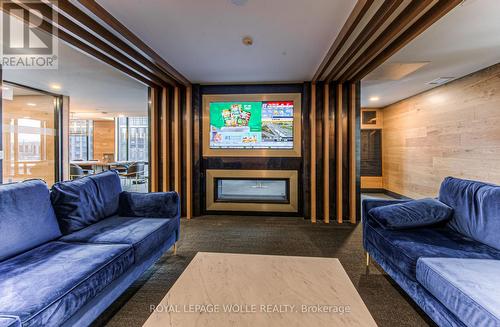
<point>411,214</point>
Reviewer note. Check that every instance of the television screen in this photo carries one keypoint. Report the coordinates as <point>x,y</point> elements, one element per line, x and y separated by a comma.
<point>251,125</point>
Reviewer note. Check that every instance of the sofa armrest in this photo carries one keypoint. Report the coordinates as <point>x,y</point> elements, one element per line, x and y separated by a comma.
<point>150,205</point>
<point>369,204</point>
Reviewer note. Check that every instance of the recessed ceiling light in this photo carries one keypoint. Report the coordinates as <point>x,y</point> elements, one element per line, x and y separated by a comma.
<point>247,40</point>
<point>31,104</point>
<point>55,86</point>
<point>374,98</point>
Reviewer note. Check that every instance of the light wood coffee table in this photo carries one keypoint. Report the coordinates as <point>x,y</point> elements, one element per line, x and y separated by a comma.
<point>219,289</point>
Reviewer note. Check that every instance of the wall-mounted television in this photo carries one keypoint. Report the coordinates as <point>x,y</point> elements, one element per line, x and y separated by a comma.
<point>252,125</point>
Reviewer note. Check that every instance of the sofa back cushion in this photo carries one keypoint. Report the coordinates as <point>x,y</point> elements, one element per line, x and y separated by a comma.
<point>27,219</point>
<point>85,201</point>
<point>476,209</point>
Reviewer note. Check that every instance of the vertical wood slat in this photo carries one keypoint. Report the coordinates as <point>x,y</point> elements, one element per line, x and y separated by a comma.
<point>165,140</point>
<point>154,133</point>
<point>189,149</point>
<point>312,117</point>
<point>353,179</point>
<point>326,156</point>
<point>176,136</point>
<point>338,121</point>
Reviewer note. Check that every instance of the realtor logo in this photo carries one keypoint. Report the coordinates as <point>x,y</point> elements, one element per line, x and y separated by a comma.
<point>29,39</point>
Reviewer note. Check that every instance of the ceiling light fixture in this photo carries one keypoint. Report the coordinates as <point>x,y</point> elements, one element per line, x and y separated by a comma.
<point>55,86</point>
<point>374,98</point>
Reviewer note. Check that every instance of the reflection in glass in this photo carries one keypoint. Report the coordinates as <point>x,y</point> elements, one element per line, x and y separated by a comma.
<point>28,136</point>
<point>252,190</point>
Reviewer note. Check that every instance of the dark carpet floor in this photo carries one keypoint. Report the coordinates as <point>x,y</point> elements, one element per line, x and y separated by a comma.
<point>388,304</point>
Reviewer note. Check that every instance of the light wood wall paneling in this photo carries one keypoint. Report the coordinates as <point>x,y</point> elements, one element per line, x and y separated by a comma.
<point>154,137</point>
<point>353,153</point>
<point>165,139</point>
<point>104,136</point>
<point>319,163</point>
<point>312,117</point>
<point>177,142</point>
<point>339,156</point>
<point>189,149</point>
<point>304,185</point>
<point>451,130</point>
<point>326,154</point>
<point>332,100</point>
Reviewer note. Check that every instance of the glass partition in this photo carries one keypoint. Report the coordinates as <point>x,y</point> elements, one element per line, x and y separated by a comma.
<point>29,130</point>
<point>252,190</point>
<point>81,139</point>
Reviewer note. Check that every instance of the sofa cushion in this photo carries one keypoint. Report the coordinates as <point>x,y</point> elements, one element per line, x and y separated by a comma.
<point>85,201</point>
<point>47,285</point>
<point>476,209</point>
<point>411,214</point>
<point>154,205</point>
<point>27,219</point>
<point>467,287</point>
<point>146,235</point>
<point>9,321</point>
<point>404,247</point>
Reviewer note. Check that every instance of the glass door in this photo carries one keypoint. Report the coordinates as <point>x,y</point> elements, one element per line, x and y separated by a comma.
<point>29,135</point>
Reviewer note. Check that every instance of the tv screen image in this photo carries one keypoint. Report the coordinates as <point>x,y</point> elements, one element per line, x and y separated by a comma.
<point>251,125</point>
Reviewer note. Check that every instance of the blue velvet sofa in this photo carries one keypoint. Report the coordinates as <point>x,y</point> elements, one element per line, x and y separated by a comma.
<point>68,253</point>
<point>451,270</point>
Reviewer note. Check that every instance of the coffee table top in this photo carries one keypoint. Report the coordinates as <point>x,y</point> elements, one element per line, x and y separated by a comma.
<point>220,289</point>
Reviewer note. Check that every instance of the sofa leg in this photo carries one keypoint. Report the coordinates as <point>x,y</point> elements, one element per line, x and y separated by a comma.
<point>367,259</point>
<point>175,248</point>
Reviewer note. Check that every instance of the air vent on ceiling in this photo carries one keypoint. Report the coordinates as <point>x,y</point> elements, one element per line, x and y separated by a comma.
<point>440,80</point>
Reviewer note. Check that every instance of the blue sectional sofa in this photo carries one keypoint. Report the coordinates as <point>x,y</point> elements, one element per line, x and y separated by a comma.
<point>67,254</point>
<point>451,270</point>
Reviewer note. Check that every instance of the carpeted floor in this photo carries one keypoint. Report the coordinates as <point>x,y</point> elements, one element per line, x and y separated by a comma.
<point>388,305</point>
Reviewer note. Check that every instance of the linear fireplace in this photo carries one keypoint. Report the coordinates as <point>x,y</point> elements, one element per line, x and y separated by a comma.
<point>251,190</point>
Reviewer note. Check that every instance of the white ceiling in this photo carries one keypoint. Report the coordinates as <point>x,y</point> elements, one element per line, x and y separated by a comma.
<point>203,39</point>
<point>93,87</point>
<point>464,41</point>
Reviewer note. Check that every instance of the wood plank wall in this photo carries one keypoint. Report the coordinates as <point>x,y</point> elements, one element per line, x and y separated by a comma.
<point>337,152</point>
<point>104,138</point>
<point>452,130</point>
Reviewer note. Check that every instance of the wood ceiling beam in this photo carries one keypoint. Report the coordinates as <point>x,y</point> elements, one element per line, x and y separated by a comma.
<point>407,16</point>
<point>423,23</point>
<point>352,22</point>
<point>73,12</point>
<point>380,17</point>
<point>47,27</point>
<point>111,21</point>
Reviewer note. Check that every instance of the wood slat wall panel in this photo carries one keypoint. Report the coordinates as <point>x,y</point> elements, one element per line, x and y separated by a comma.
<point>452,130</point>
<point>104,134</point>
